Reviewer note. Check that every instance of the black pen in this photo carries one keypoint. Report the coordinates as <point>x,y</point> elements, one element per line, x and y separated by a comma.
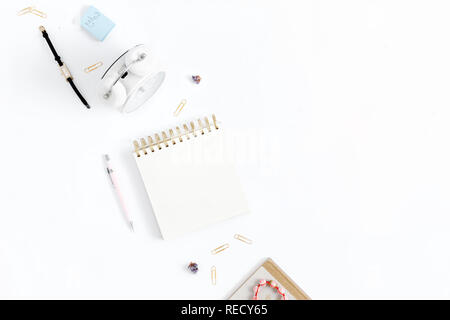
<point>64,70</point>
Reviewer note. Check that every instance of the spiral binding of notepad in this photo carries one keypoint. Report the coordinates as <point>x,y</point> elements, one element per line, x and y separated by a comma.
<point>174,136</point>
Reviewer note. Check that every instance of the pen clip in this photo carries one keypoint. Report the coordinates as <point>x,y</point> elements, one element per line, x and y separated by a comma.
<point>110,171</point>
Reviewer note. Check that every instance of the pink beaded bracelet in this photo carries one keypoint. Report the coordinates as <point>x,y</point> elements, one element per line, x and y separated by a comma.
<point>272,284</point>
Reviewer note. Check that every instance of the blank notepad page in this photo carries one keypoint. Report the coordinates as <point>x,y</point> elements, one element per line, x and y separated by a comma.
<point>191,183</point>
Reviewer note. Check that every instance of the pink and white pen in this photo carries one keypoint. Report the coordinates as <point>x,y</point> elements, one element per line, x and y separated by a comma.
<point>112,176</point>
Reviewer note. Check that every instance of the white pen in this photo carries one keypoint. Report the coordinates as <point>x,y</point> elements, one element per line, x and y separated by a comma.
<point>113,179</point>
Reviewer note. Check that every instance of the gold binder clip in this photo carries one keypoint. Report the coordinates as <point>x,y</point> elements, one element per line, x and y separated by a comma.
<point>180,107</point>
<point>93,67</point>
<point>213,275</point>
<point>220,249</point>
<point>243,239</point>
<point>39,13</point>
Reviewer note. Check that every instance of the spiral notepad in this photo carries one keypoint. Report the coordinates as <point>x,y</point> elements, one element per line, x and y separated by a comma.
<point>189,180</point>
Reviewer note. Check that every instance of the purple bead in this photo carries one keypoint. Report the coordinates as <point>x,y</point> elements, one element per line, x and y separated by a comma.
<point>196,79</point>
<point>193,267</point>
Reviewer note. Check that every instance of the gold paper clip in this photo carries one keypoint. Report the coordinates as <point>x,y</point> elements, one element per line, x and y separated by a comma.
<point>24,10</point>
<point>33,11</point>
<point>213,275</point>
<point>93,67</point>
<point>180,107</point>
<point>243,239</point>
<point>39,13</point>
<point>220,249</point>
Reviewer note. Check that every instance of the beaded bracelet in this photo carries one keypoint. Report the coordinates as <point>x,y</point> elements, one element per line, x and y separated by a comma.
<point>272,284</point>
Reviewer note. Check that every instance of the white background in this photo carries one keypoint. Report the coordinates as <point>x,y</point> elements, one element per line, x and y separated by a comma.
<point>349,188</point>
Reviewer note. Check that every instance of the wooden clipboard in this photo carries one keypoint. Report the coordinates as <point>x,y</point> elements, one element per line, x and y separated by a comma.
<point>295,292</point>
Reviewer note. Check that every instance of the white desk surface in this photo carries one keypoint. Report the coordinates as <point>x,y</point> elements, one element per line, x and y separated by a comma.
<point>350,194</point>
